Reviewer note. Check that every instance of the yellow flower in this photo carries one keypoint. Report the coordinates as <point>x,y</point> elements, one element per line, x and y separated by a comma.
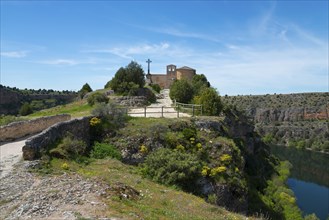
<point>65,166</point>
<point>94,121</point>
<point>143,149</point>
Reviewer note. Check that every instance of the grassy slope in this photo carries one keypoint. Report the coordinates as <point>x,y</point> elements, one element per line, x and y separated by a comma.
<point>157,201</point>
<point>75,109</point>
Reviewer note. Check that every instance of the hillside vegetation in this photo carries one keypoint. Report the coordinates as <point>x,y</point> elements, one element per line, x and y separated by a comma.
<point>16,101</point>
<point>218,159</point>
<point>297,120</point>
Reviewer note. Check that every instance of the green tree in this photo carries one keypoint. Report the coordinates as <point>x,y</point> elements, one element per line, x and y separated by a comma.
<point>84,90</point>
<point>210,101</point>
<point>199,82</point>
<point>181,91</point>
<point>25,109</point>
<point>127,80</point>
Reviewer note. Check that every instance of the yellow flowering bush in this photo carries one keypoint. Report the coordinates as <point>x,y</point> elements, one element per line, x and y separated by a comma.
<point>180,147</point>
<point>217,170</point>
<point>199,146</point>
<point>94,121</point>
<point>205,171</point>
<point>65,166</point>
<point>225,158</point>
<point>143,149</point>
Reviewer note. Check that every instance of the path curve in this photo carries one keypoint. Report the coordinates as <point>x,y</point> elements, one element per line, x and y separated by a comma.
<point>10,154</point>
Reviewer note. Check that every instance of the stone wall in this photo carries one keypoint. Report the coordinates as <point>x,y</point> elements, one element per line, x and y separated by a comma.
<point>20,129</point>
<point>133,101</point>
<point>79,128</point>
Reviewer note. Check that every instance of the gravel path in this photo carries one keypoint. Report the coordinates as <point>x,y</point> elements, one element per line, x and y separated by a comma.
<point>26,195</point>
<point>154,110</point>
<point>10,154</point>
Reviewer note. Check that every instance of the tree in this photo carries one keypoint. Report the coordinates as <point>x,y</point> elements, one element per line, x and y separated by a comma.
<point>199,82</point>
<point>84,90</point>
<point>210,101</point>
<point>181,91</point>
<point>25,109</point>
<point>127,80</point>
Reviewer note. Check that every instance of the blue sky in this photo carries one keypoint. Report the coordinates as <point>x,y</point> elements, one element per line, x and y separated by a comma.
<point>243,47</point>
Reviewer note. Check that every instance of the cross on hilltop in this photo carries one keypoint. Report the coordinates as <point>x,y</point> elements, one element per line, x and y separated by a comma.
<point>148,61</point>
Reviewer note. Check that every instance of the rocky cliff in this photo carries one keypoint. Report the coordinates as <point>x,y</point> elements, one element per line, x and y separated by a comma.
<point>12,99</point>
<point>292,119</point>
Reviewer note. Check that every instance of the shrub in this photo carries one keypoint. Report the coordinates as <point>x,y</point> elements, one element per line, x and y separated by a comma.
<point>156,87</point>
<point>65,166</point>
<point>172,168</point>
<point>189,133</point>
<point>210,101</point>
<point>97,97</point>
<point>69,148</point>
<point>113,116</point>
<point>25,109</point>
<point>103,150</point>
<point>181,91</point>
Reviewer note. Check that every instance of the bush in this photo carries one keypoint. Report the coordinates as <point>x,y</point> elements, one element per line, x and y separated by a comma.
<point>69,148</point>
<point>97,97</point>
<point>181,91</point>
<point>26,109</point>
<point>156,87</point>
<point>103,150</point>
<point>113,116</point>
<point>173,168</point>
<point>210,101</point>
<point>127,80</point>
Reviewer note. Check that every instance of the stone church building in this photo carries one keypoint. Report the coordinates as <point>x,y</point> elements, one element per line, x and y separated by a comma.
<point>173,73</point>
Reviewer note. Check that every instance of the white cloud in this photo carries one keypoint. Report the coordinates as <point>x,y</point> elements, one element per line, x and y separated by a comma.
<point>14,54</point>
<point>60,62</point>
<point>143,49</point>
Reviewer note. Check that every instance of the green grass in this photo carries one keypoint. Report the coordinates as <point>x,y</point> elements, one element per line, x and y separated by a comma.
<point>155,202</point>
<point>75,109</point>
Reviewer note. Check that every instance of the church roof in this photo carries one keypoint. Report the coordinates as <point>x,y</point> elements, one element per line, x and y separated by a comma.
<point>185,68</point>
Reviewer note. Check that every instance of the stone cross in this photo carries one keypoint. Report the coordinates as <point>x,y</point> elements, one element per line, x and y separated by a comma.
<point>148,61</point>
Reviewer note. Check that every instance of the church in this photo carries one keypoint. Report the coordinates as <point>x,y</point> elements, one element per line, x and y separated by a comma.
<point>173,73</point>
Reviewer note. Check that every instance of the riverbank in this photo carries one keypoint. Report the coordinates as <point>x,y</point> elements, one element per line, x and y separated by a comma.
<point>309,179</point>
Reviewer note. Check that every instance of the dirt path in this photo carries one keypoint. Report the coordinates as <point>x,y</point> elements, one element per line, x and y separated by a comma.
<point>154,110</point>
<point>10,154</point>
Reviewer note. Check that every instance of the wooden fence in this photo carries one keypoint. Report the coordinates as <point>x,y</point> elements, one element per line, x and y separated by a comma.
<point>153,111</point>
<point>191,109</point>
<point>178,110</point>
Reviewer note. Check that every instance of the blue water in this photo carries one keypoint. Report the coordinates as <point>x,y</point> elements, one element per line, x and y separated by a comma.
<point>311,197</point>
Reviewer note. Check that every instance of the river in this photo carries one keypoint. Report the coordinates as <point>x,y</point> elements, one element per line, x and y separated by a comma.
<point>309,179</point>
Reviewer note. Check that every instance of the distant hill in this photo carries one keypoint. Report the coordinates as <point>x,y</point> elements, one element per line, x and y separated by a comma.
<point>299,119</point>
<point>11,99</point>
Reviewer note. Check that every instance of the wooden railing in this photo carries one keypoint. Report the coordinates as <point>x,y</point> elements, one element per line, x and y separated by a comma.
<point>153,111</point>
<point>191,109</point>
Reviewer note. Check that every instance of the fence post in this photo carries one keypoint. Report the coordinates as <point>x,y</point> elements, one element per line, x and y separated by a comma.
<point>177,112</point>
<point>162,111</point>
<point>145,111</point>
<point>192,110</point>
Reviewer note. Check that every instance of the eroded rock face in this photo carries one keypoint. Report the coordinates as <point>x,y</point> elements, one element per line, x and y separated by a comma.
<point>267,115</point>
